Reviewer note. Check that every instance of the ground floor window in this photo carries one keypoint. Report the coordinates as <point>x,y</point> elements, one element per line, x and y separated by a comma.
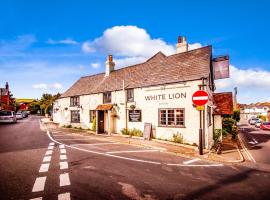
<point>172,117</point>
<point>75,116</point>
<point>92,115</point>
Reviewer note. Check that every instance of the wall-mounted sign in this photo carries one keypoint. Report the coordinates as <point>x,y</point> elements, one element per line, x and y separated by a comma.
<point>221,67</point>
<point>135,115</point>
<point>159,97</point>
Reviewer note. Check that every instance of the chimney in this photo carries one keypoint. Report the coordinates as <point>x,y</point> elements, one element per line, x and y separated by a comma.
<point>109,65</point>
<point>7,86</point>
<point>182,45</point>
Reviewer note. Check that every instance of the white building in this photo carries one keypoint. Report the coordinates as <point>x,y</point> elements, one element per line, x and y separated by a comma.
<point>158,91</point>
<point>253,111</point>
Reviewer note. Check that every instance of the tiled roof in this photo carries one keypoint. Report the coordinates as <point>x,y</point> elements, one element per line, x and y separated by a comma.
<point>157,70</point>
<point>223,103</point>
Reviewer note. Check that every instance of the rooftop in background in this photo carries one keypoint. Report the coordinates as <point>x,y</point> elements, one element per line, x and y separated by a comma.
<point>224,103</point>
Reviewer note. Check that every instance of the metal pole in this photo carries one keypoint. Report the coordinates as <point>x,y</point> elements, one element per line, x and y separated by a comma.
<point>200,131</point>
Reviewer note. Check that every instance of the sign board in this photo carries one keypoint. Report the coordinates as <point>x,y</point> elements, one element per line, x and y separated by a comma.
<point>221,67</point>
<point>134,115</point>
<point>147,131</point>
<point>200,108</point>
<point>200,98</point>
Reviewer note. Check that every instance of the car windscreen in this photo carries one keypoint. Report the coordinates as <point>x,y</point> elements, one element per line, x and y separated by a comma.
<point>5,113</point>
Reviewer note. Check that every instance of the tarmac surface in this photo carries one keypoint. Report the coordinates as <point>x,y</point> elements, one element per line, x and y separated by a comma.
<point>55,164</point>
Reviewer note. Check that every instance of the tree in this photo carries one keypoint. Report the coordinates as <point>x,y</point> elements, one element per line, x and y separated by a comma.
<point>236,115</point>
<point>46,102</point>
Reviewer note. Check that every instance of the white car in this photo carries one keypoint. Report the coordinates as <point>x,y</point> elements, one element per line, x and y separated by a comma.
<point>7,116</point>
<point>19,115</point>
<point>258,123</point>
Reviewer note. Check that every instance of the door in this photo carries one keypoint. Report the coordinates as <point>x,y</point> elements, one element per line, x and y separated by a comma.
<point>101,121</point>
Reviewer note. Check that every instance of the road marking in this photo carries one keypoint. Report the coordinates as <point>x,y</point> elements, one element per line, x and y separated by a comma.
<point>191,161</point>
<point>63,165</point>
<point>64,196</point>
<point>49,152</point>
<point>63,157</point>
<point>39,184</point>
<point>51,144</point>
<point>61,146</point>
<point>44,167</point>
<point>71,139</point>
<point>47,159</point>
<point>95,144</point>
<point>39,198</point>
<point>63,151</point>
<point>50,147</point>
<point>250,157</point>
<point>206,165</point>
<point>135,151</point>
<point>64,179</point>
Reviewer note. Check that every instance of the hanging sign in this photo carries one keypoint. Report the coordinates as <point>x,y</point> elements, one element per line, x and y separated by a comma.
<point>221,67</point>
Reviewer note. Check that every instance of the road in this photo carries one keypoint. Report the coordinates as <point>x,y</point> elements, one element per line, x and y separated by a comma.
<point>257,143</point>
<point>36,164</point>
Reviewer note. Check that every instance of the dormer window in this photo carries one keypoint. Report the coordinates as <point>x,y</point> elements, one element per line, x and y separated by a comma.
<point>75,101</point>
<point>107,97</point>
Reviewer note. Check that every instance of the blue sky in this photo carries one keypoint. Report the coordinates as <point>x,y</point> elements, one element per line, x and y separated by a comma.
<point>45,46</point>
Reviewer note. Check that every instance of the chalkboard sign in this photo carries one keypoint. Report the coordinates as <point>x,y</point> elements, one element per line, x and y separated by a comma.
<point>134,116</point>
<point>147,131</point>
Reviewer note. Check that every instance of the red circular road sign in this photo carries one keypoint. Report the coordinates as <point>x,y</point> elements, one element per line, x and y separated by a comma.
<point>200,98</point>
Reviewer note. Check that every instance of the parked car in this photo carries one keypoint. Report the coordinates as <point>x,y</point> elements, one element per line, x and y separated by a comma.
<point>253,121</point>
<point>7,116</point>
<point>258,123</point>
<point>23,112</point>
<point>265,126</point>
<point>19,115</point>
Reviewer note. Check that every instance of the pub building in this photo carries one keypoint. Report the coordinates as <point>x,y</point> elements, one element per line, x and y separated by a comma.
<point>158,91</point>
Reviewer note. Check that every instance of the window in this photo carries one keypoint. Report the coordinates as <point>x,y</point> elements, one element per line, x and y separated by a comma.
<point>74,101</point>
<point>130,95</point>
<point>75,116</point>
<point>209,116</point>
<point>171,117</point>
<point>107,97</point>
<point>92,115</point>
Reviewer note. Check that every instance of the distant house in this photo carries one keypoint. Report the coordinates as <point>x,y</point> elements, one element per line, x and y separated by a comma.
<point>5,98</point>
<point>253,110</point>
<point>24,103</point>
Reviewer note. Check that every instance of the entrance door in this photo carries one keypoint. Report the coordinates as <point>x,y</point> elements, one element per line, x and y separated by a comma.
<point>101,121</point>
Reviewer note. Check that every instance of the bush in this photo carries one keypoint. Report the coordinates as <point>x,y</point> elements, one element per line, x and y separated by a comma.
<point>68,126</point>
<point>133,132</point>
<point>234,132</point>
<point>94,124</point>
<point>216,135</point>
<point>125,131</point>
<point>227,124</point>
<point>178,138</point>
<point>263,118</point>
<point>236,115</point>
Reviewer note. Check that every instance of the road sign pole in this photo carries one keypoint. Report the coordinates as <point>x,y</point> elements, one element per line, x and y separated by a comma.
<point>200,135</point>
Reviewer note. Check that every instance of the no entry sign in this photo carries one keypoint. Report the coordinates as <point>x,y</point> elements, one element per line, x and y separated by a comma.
<point>200,98</point>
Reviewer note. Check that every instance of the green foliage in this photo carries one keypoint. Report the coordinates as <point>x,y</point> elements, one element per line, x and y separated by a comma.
<point>178,138</point>
<point>234,132</point>
<point>216,135</point>
<point>46,102</point>
<point>263,118</point>
<point>229,127</point>
<point>94,124</point>
<point>236,115</point>
<point>132,132</point>
<point>125,131</point>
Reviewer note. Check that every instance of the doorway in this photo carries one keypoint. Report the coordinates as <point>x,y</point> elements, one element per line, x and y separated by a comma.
<point>101,121</point>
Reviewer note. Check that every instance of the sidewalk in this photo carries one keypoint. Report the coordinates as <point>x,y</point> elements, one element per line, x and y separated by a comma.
<point>230,152</point>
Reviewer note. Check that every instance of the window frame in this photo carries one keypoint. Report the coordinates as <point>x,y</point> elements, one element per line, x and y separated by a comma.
<point>92,115</point>
<point>128,94</point>
<point>72,118</point>
<point>105,96</point>
<point>175,117</point>
<point>72,102</point>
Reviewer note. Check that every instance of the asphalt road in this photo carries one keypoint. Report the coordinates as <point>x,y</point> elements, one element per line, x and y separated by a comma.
<point>256,141</point>
<point>36,164</point>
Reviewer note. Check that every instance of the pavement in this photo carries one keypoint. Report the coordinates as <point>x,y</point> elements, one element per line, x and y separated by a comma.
<point>39,162</point>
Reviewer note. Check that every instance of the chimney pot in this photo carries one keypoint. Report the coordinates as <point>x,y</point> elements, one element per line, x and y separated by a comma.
<point>110,58</point>
<point>182,45</point>
<point>109,65</point>
<point>179,39</point>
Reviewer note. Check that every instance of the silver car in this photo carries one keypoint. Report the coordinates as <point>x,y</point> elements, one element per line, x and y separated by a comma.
<point>258,123</point>
<point>7,116</point>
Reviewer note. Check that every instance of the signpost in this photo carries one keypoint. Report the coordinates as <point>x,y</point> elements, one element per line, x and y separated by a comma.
<point>200,98</point>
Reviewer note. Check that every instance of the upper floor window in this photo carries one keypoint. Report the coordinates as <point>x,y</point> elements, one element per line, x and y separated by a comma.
<point>75,101</point>
<point>107,97</point>
<point>130,95</point>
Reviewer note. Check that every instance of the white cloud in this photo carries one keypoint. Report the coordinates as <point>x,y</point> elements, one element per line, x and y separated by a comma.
<point>95,65</point>
<point>56,86</point>
<point>128,61</point>
<point>127,41</point>
<point>40,86</point>
<point>65,41</point>
<point>194,46</point>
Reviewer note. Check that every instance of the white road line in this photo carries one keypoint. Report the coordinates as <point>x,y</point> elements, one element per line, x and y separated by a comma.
<point>206,165</point>
<point>39,198</point>
<point>135,151</point>
<point>51,144</point>
<point>63,165</point>
<point>39,184</point>
<point>95,144</point>
<point>64,179</point>
<point>64,196</point>
<point>61,146</point>
<point>47,159</point>
<point>44,167</point>
<point>50,147</point>
<point>63,151</point>
<point>250,157</point>
<point>191,161</point>
<point>63,157</point>
<point>49,152</point>
<point>72,139</point>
